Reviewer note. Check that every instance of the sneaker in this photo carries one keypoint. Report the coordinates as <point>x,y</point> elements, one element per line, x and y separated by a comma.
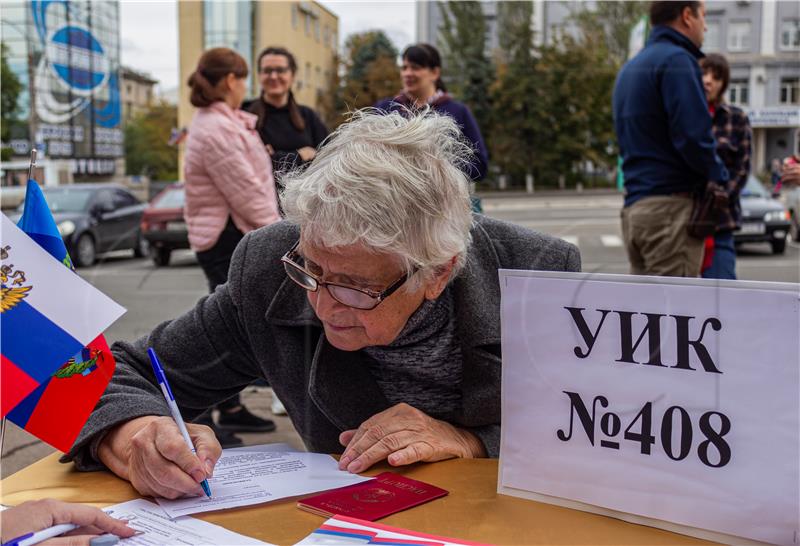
<point>226,439</point>
<point>242,420</point>
<point>277,406</point>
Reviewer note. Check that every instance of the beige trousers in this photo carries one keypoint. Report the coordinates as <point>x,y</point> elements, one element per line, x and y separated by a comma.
<point>654,231</point>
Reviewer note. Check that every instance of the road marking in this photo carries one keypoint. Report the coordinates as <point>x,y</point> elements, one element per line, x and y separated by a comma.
<point>611,240</point>
<point>571,239</point>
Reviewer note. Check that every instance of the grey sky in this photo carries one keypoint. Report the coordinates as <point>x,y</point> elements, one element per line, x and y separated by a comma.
<point>149,30</point>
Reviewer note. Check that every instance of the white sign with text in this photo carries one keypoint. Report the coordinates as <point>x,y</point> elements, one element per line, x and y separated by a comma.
<point>669,402</point>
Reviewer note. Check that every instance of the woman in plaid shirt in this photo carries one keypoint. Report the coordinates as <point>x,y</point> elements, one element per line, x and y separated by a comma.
<point>733,135</point>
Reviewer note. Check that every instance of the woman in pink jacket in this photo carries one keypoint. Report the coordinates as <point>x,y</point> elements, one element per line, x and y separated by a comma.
<point>229,190</point>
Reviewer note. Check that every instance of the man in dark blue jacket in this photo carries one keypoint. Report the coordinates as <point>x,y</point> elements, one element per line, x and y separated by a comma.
<point>664,133</point>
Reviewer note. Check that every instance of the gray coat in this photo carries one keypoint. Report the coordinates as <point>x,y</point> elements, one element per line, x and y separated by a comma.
<point>260,324</point>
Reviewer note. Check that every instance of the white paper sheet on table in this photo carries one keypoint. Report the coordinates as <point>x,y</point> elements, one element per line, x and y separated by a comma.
<point>156,529</point>
<point>243,478</point>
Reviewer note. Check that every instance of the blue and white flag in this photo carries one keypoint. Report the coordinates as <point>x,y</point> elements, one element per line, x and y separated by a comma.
<point>47,314</point>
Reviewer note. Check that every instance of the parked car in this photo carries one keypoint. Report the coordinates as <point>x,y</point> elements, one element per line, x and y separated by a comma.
<point>764,218</point>
<point>163,225</point>
<point>95,218</point>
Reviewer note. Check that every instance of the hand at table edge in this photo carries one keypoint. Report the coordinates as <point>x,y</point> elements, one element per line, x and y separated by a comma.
<point>404,435</point>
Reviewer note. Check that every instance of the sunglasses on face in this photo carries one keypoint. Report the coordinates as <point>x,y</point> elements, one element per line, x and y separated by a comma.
<point>351,296</point>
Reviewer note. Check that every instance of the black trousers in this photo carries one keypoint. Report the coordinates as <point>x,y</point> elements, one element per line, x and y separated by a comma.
<point>215,263</point>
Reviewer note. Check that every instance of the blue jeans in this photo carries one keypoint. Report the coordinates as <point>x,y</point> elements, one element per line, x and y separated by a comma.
<point>723,264</point>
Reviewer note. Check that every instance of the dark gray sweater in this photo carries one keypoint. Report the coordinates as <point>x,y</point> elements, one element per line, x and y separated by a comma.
<point>260,324</point>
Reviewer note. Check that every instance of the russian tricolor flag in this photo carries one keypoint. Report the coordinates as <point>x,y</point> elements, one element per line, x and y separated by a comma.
<point>48,315</point>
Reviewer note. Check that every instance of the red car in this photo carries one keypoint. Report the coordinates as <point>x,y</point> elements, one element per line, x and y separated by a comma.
<point>163,225</point>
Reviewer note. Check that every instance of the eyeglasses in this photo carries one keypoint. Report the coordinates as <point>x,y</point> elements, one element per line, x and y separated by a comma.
<point>278,70</point>
<point>358,298</point>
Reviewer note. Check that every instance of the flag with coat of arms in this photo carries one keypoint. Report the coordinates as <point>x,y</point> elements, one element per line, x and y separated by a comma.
<point>55,361</point>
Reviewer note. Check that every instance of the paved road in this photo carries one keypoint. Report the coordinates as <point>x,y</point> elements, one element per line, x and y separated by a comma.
<point>152,295</point>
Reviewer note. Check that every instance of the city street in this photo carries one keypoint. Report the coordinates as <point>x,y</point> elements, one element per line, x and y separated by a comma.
<point>151,295</point>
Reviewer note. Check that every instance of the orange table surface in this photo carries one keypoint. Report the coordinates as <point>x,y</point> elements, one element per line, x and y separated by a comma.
<point>472,511</point>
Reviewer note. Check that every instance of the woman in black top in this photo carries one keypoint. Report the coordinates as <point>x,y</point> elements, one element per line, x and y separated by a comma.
<point>291,132</point>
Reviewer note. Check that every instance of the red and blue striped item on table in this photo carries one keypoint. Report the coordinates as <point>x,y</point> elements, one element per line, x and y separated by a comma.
<point>54,365</point>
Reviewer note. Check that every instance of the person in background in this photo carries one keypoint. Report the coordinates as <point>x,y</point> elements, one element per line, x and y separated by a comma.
<point>422,87</point>
<point>664,132</point>
<point>775,176</point>
<point>733,135</point>
<point>33,516</point>
<point>291,132</point>
<point>229,192</point>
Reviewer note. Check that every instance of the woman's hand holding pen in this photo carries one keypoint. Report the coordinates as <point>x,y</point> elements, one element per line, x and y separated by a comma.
<point>150,453</point>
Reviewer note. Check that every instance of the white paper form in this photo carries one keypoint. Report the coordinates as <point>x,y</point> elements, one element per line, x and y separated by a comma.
<point>243,478</point>
<point>156,529</point>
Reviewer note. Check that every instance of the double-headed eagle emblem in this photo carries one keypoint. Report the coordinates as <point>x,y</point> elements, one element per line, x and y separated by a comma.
<point>13,283</point>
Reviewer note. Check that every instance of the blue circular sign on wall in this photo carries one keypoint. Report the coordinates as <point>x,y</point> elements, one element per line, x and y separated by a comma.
<point>78,59</point>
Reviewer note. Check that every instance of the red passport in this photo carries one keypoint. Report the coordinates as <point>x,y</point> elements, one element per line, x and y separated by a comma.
<point>386,494</point>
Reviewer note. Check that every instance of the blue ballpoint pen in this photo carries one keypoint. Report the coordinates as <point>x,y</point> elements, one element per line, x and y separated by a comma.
<point>173,408</point>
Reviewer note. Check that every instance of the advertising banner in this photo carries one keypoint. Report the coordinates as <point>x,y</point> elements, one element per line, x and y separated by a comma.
<point>74,55</point>
<point>669,402</point>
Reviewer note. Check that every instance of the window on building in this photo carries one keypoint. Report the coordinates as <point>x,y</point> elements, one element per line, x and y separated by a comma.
<point>316,29</point>
<point>713,38</point>
<point>326,36</point>
<point>294,15</point>
<point>229,24</point>
<point>308,74</point>
<point>790,34</point>
<point>307,19</point>
<point>739,36</point>
<point>739,92</point>
<point>790,90</point>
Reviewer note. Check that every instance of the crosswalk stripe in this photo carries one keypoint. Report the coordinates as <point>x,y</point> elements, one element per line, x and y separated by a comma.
<point>571,239</point>
<point>611,240</point>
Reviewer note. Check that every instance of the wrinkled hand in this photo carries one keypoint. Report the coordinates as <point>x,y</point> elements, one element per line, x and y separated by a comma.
<point>307,153</point>
<point>404,435</point>
<point>790,174</point>
<point>150,453</point>
<point>34,516</point>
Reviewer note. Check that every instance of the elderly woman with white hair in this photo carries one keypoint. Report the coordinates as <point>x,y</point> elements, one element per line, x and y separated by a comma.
<point>373,311</point>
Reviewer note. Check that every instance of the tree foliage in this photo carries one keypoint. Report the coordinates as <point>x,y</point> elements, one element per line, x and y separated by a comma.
<point>10,90</point>
<point>609,25</point>
<point>468,72</point>
<point>516,129</point>
<point>371,71</point>
<point>147,151</point>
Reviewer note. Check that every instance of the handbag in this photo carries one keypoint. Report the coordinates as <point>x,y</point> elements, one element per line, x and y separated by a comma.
<point>708,206</point>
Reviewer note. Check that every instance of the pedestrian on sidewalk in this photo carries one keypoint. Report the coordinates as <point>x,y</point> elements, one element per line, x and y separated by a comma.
<point>290,131</point>
<point>229,192</point>
<point>664,133</point>
<point>423,88</point>
<point>733,135</point>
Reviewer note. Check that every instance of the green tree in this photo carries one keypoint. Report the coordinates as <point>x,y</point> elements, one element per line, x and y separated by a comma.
<point>609,25</point>
<point>330,102</point>
<point>10,90</point>
<point>147,148</point>
<point>371,71</point>
<point>515,95</point>
<point>468,71</point>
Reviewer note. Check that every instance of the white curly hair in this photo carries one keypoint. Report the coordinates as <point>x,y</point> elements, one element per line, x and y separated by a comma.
<point>392,183</point>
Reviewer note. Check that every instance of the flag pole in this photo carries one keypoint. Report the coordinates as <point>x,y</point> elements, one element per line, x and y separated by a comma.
<point>32,164</point>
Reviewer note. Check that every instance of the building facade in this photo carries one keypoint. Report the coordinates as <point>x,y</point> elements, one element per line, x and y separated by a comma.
<point>136,92</point>
<point>306,28</point>
<point>66,55</point>
<point>761,40</point>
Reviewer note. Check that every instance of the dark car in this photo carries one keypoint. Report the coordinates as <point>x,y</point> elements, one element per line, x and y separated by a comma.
<point>163,225</point>
<point>95,218</point>
<point>764,218</point>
